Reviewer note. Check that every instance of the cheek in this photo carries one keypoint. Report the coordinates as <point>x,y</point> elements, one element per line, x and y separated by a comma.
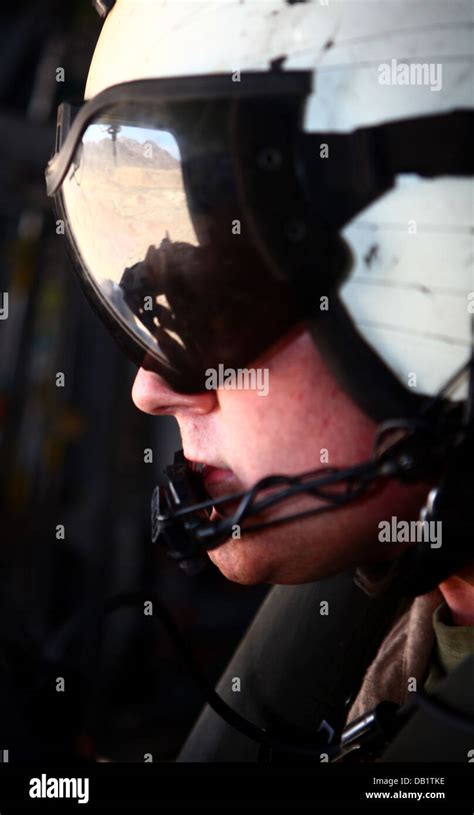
<point>292,429</point>
<point>261,432</point>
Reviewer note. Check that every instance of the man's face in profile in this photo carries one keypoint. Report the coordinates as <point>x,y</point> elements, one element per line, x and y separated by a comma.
<point>304,422</point>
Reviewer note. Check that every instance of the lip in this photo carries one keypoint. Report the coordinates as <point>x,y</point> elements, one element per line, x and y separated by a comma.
<point>218,482</point>
<point>214,475</point>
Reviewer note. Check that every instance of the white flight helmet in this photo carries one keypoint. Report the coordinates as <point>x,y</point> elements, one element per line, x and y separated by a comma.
<point>383,159</point>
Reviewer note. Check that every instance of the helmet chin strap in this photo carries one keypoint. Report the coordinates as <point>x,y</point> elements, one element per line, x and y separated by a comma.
<point>426,447</point>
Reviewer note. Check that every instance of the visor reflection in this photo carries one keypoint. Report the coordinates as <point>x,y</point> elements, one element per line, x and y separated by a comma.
<point>123,194</point>
<point>135,199</point>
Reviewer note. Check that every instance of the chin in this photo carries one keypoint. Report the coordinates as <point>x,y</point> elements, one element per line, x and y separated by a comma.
<point>276,558</point>
<point>242,561</point>
<point>264,557</point>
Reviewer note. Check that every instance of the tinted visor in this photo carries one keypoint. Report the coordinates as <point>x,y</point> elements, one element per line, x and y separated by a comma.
<point>185,219</point>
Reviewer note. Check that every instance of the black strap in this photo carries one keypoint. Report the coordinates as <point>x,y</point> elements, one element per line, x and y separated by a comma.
<point>429,145</point>
<point>357,168</point>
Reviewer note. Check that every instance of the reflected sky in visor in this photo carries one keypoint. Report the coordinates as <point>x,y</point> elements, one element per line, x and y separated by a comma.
<point>141,135</point>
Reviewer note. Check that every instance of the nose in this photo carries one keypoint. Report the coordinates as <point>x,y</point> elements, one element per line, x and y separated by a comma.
<point>151,394</point>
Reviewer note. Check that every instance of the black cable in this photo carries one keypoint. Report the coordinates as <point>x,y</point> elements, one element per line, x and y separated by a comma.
<point>335,476</point>
<point>211,534</point>
<point>234,719</point>
<point>334,501</point>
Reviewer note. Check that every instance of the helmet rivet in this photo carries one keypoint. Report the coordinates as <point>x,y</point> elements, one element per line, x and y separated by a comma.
<point>269,159</point>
